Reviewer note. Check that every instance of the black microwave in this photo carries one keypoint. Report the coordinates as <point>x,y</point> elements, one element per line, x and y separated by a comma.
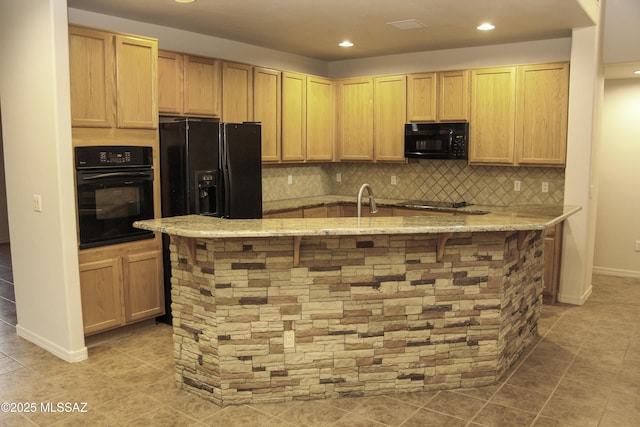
<point>436,140</point>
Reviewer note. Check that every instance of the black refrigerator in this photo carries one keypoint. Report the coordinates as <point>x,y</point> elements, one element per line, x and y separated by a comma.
<point>208,168</point>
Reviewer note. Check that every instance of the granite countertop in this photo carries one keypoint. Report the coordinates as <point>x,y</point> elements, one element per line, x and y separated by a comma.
<point>497,218</point>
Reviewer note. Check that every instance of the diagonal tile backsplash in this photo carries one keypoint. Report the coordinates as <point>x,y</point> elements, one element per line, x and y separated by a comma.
<point>433,180</point>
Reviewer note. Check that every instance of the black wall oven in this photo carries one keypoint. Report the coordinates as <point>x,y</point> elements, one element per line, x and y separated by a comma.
<point>114,186</point>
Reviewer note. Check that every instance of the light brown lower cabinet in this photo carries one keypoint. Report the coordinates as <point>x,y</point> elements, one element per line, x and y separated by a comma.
<point>120,285</point>
<point>552,254</point>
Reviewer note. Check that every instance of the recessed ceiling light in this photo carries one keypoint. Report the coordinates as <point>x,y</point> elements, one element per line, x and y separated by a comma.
<point>636,72</point>
<point>184,1</point>
<point>345,43</point>
<point>485,27</point>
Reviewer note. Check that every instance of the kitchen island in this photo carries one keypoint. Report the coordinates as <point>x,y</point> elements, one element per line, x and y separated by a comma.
<point>273,310</point>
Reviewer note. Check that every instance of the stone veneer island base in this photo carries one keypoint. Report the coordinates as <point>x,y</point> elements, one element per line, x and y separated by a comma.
<point>359,315</point>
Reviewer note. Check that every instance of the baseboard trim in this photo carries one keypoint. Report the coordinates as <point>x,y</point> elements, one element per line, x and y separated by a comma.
<point>569,299</point>
<point>62,353</point>
<point>616,272</point>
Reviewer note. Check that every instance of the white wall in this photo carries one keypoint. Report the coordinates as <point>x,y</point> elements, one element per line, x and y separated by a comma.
<point>585,95</point>
<point>36,128</point>
<point>4,215</point>
<point>456,59</point>
<point>618,222</point>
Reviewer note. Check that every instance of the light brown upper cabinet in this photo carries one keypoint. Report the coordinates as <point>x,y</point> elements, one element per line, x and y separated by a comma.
<point>390,98</point>
<point>493,107</point>
<point>170,82</point>
<point>113,79</point>
<point>441,96</point>
<point>453,95</point>
<point>294,117</point>
<point>519,115</point>
<point>421,97</point>
<point>91,69</point>
<point>267,91</point>
<point>237,92</point>
<point>136,82</point>
<point>320,119</point>
<point>189,85</point>
<point>355,119</point>
<point>202,86</point>
<point>541,118</point>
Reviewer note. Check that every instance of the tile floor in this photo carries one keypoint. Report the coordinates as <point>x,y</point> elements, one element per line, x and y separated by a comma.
<point>583,371</point>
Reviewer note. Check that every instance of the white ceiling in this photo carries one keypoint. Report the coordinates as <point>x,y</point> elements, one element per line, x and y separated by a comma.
<point>314,28</point>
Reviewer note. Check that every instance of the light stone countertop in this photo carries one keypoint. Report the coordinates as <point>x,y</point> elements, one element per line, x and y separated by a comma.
<point>514,218</point>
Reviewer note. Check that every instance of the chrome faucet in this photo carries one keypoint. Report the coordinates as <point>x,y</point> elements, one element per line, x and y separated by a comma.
<point>372,201</point>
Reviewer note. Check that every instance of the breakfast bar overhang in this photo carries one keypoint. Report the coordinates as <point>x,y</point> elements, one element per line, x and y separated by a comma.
<point>269,310</point>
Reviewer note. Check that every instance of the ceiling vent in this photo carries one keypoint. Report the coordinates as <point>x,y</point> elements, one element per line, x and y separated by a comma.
<point>407,24</point>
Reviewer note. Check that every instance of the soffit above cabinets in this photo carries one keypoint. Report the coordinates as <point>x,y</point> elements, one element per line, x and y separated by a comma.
<point>314,29</point>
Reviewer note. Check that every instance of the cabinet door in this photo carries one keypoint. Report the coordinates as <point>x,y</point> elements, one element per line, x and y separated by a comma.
<point>294,116</point>
<point>143,285</point>
<point>292,213</point>
<point>317,212</point>
<point>267,90</point>
<point>453,96</point>
<point>421,97</point>
<point>492,126</point>
<point>202,86</point>
<point>355,137</point>
<point>321,135</point>
<point>237,92</point>
<point>541,121</point>
<point>101,295</point>
<point>136,82</point>
<point>390,99</point>
<point>91,73</point>
<point>170,78</point>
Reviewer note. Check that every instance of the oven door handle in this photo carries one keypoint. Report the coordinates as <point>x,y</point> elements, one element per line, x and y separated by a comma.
<point>116,175</point>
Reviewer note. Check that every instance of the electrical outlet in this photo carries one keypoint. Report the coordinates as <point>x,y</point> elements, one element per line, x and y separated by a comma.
<point>516,185</point>
<point>37,203</point>
<point>338,177</point>
<point>289,339</point>
<point>290,179</point>
<point>394,180</point>
<point>637,245</point>
<point>545,187</point>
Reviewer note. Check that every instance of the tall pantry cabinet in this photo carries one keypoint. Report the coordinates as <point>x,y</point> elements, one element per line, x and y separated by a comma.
<point>114,102</point>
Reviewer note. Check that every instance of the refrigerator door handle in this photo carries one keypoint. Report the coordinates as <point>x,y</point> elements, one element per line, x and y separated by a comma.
<point>226,173</point>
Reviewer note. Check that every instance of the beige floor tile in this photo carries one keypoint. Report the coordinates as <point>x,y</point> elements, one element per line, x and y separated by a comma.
<point>7,364</point>
<point>585,392</point>
<point>385,410</point>
<point>455,404</point>
<point>163,417</point>
<point>313,413</point>
<point>520,398</point>
<point>494,415</point>
<point>238,416</point>
<point>128,407</point>
<point>15,420</point>
<point>142,376</point>
<point>425,417</point>
<point>618,419</point>
<point>572,413</point>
